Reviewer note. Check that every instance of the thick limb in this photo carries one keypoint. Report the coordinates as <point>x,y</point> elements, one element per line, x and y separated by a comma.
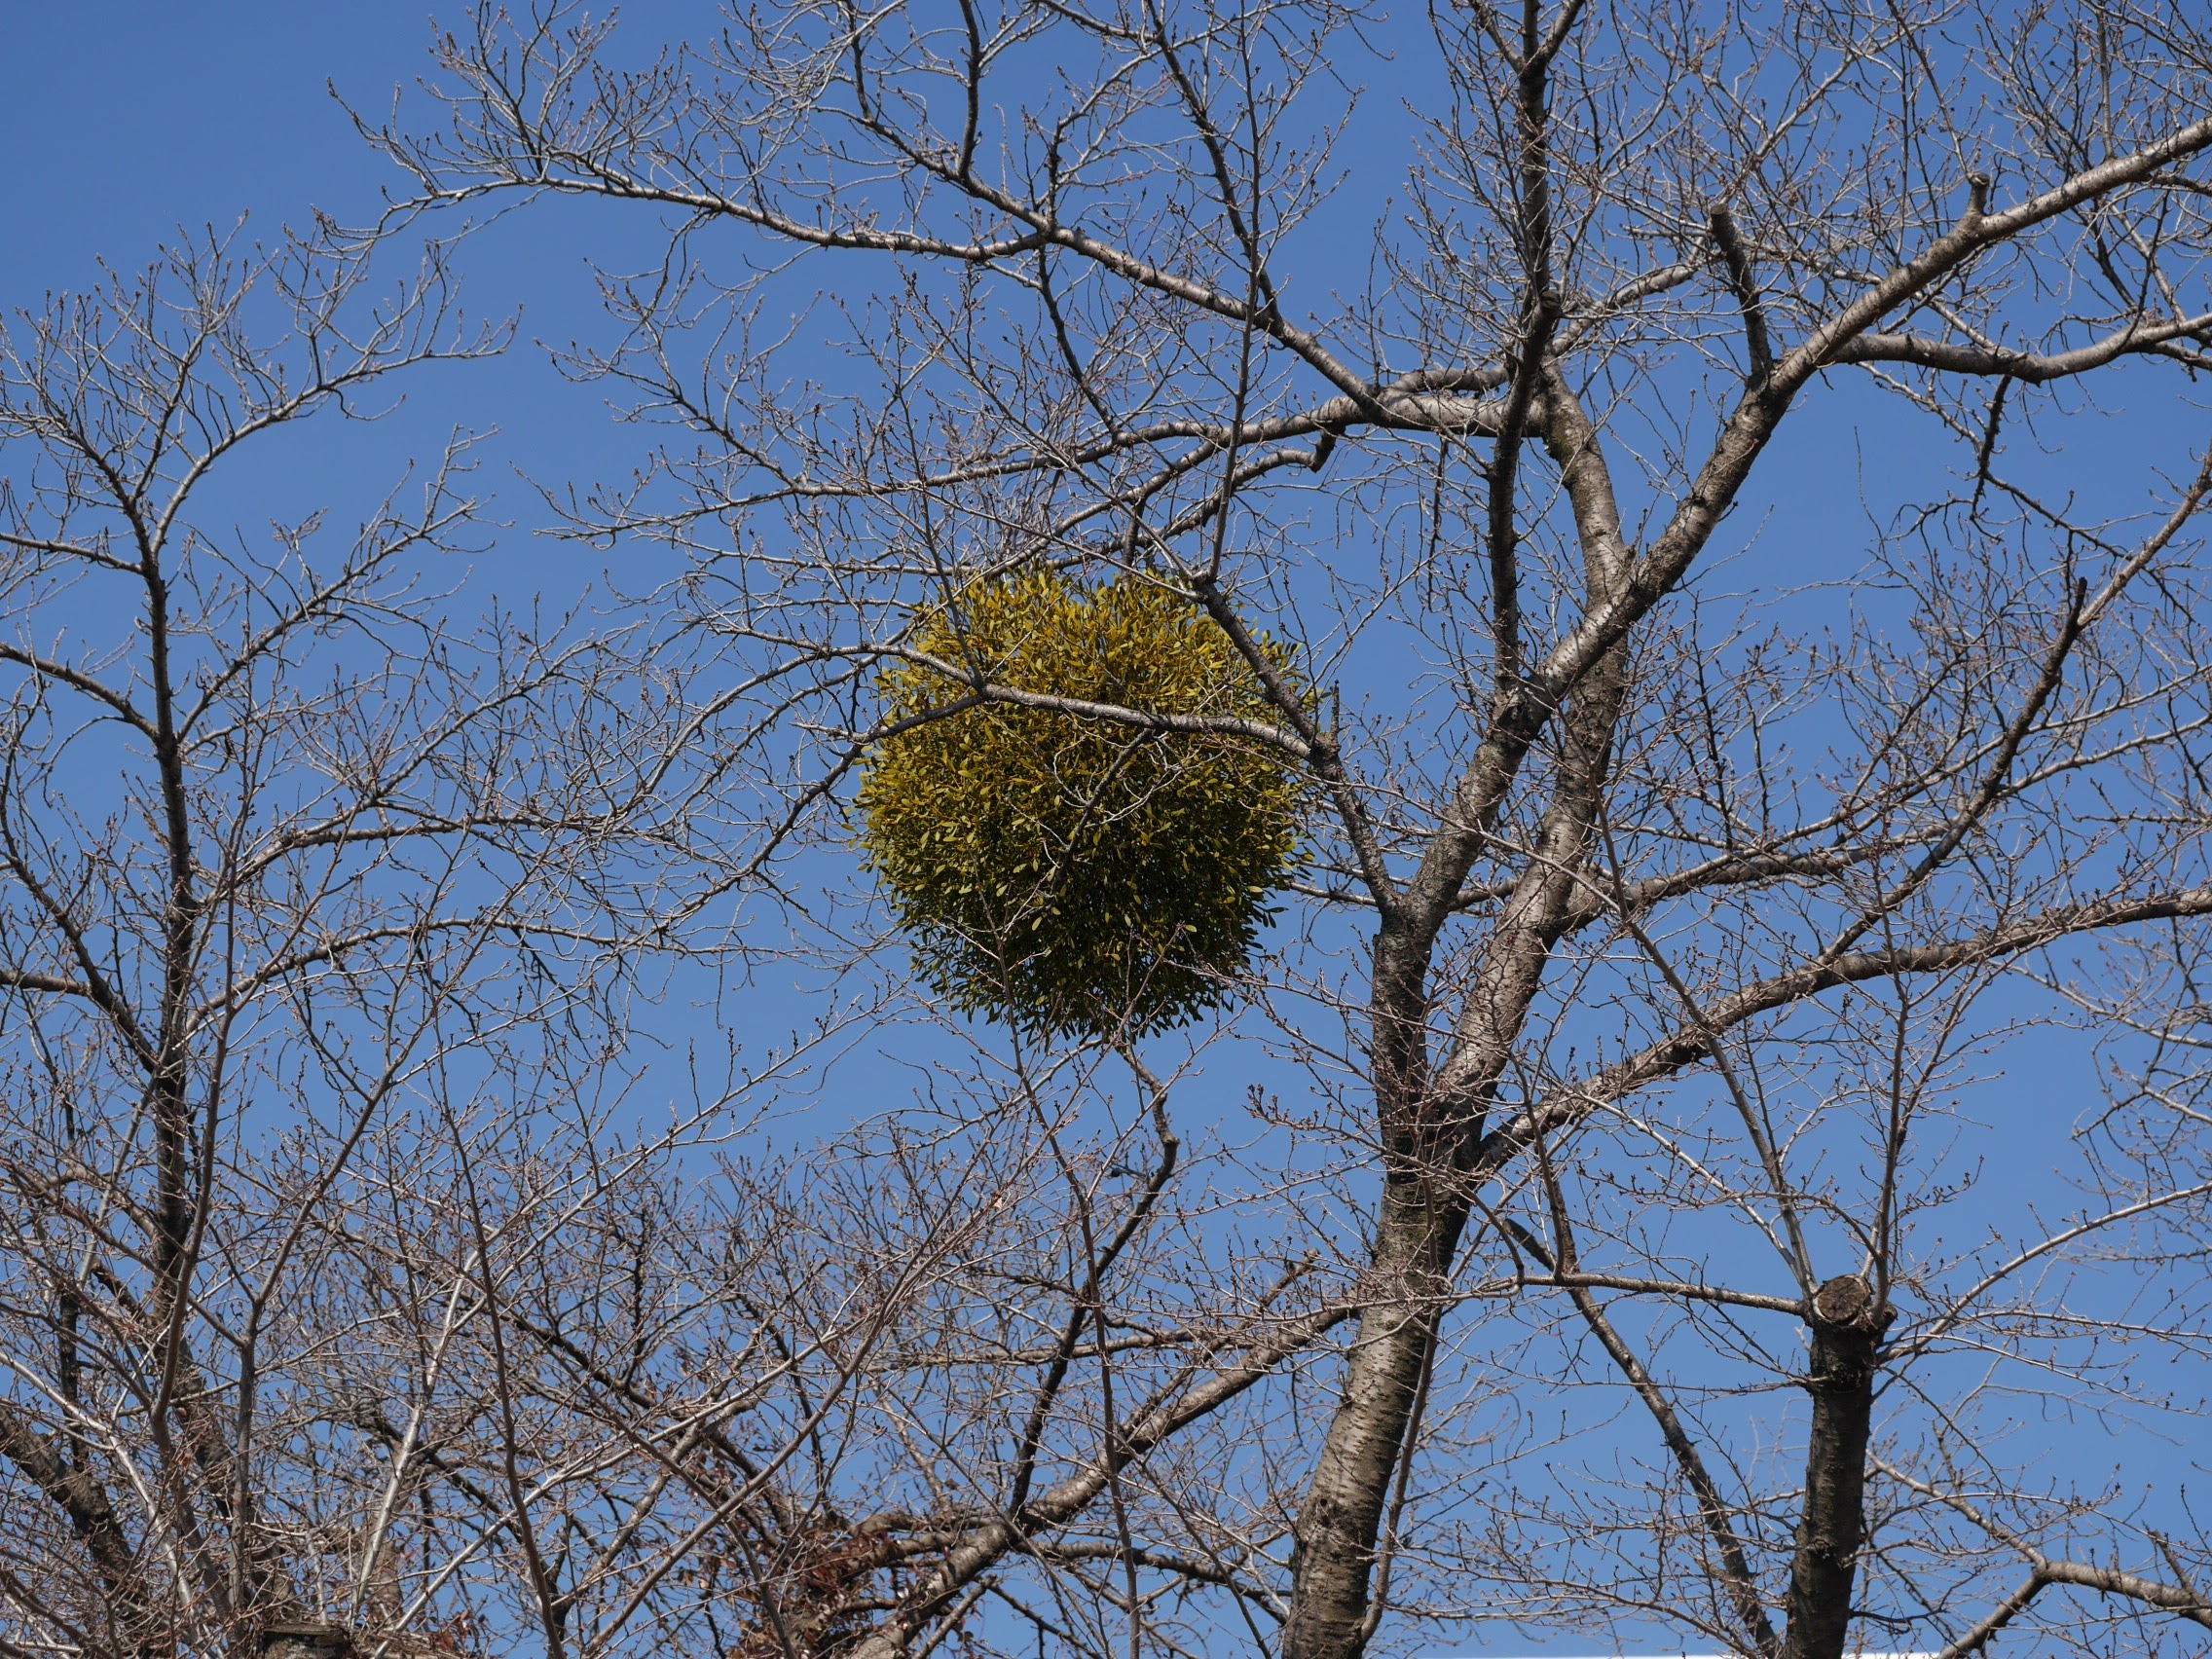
<point>1848,1318</point>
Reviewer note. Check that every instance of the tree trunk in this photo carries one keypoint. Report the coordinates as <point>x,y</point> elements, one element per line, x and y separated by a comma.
<point>1417,1236</point>
<point>1848,1320</point>
<point>1431,1123</point>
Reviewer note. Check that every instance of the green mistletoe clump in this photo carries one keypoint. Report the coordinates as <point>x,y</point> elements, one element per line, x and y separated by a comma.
<point>1063,872</point>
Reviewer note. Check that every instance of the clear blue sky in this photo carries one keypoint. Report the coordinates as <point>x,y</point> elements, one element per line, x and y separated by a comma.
<point>126,122</point>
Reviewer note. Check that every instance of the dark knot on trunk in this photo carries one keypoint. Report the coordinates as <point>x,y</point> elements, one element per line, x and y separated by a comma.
<point>1846,1304</point>
<point>305,1639</point>
<point>1847,1319</point>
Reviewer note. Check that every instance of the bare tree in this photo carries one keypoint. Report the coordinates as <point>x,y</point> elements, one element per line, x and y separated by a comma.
<point>341,1227</point>
<point>1702,883</point>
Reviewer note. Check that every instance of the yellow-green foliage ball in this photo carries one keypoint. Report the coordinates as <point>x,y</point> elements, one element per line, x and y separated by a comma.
<point>1067,873</point>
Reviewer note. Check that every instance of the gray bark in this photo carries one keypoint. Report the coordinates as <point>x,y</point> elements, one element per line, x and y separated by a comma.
<point>1434,1125</point>
<point>1848,1317</point>
<point>1333,1559</point>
